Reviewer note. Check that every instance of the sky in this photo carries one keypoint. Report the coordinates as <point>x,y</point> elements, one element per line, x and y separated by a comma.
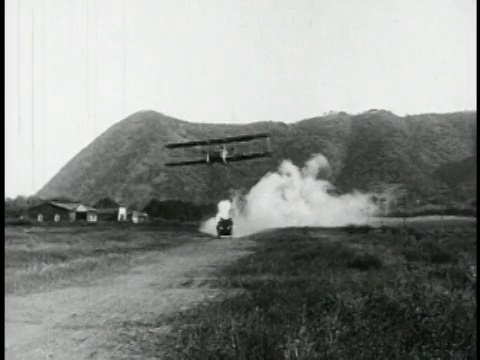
<point>74,68</point>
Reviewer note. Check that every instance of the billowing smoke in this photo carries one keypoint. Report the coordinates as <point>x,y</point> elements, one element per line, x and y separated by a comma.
<point>224,210</point>
<point>294,197</point>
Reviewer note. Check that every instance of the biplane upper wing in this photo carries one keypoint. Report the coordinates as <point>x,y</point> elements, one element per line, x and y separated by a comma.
<point>225,140</point>
<point>191,162</point>
<point>242,157</point>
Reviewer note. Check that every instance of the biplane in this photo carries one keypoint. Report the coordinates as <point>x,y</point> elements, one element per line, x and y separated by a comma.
<point>217,151</point>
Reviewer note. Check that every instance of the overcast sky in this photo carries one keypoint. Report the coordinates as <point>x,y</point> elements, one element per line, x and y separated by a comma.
<point>94,62</point>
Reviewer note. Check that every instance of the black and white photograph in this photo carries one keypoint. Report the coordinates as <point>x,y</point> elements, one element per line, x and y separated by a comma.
<point>240,179</point>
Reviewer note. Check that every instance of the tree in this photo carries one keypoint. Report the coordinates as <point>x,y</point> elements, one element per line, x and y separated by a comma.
<point>14,208</point>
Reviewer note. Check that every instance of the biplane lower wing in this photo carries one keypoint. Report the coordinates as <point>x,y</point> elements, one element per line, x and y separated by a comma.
<point>232,158</point>
<point>182,163</point>
<point>225,140</point>
<point>243,157</point>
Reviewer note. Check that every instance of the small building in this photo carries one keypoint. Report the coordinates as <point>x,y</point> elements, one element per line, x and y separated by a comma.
<point>51,211</point>
<point>110,210</point>
<point>62,211</point>
<point>139,217</point>
<point>86,213</point>
<point>107,214</point>
<point>122,214</point>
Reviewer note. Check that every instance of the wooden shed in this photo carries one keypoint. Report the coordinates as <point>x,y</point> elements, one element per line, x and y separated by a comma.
<point>62,211</point>
<point>138,217</point>
<point>110,210</point>
<point>51,211</point>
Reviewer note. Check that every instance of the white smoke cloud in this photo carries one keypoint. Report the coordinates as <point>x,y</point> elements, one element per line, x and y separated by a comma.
<point>224,209</point>
<point>294,197</point>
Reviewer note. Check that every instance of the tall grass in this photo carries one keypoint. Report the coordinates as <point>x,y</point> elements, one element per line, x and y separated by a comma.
<point>318,294</point>
<point>45,258</point>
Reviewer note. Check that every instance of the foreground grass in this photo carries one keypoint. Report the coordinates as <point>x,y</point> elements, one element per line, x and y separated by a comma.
<point>336,294</point>
<point>46,258</point>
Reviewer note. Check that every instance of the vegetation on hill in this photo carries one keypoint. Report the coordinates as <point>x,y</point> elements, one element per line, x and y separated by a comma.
<point>461,177</point>
<point>377,147</point>
<point>106,203</point>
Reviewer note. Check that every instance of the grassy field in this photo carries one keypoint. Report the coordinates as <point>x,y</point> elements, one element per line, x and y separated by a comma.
<point>353,293</point>
<point>52,257</point>
<point>305,293</point>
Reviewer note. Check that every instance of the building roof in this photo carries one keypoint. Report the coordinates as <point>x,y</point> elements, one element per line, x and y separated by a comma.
<point>66,206</point>
<point>79,207</point>
<point>69,206</point>
<point>84,208</point>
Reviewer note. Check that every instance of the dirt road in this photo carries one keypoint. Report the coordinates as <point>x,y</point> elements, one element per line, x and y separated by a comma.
<point>86,322</point>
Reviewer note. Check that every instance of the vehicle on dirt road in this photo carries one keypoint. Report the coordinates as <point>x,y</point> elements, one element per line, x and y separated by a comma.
<point>224,227</point>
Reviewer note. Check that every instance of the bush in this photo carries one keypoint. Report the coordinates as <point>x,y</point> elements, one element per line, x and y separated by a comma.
<point>436,253</point>
<point>365,262</point>
<point>179,210</point>
<point>358,229</point>
<point>17,207</point>
<point>413,254</point>
<point>436,210</point>
<point>18,222</point>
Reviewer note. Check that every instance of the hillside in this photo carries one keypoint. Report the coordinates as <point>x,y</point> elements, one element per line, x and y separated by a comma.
<point>126,162</point>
